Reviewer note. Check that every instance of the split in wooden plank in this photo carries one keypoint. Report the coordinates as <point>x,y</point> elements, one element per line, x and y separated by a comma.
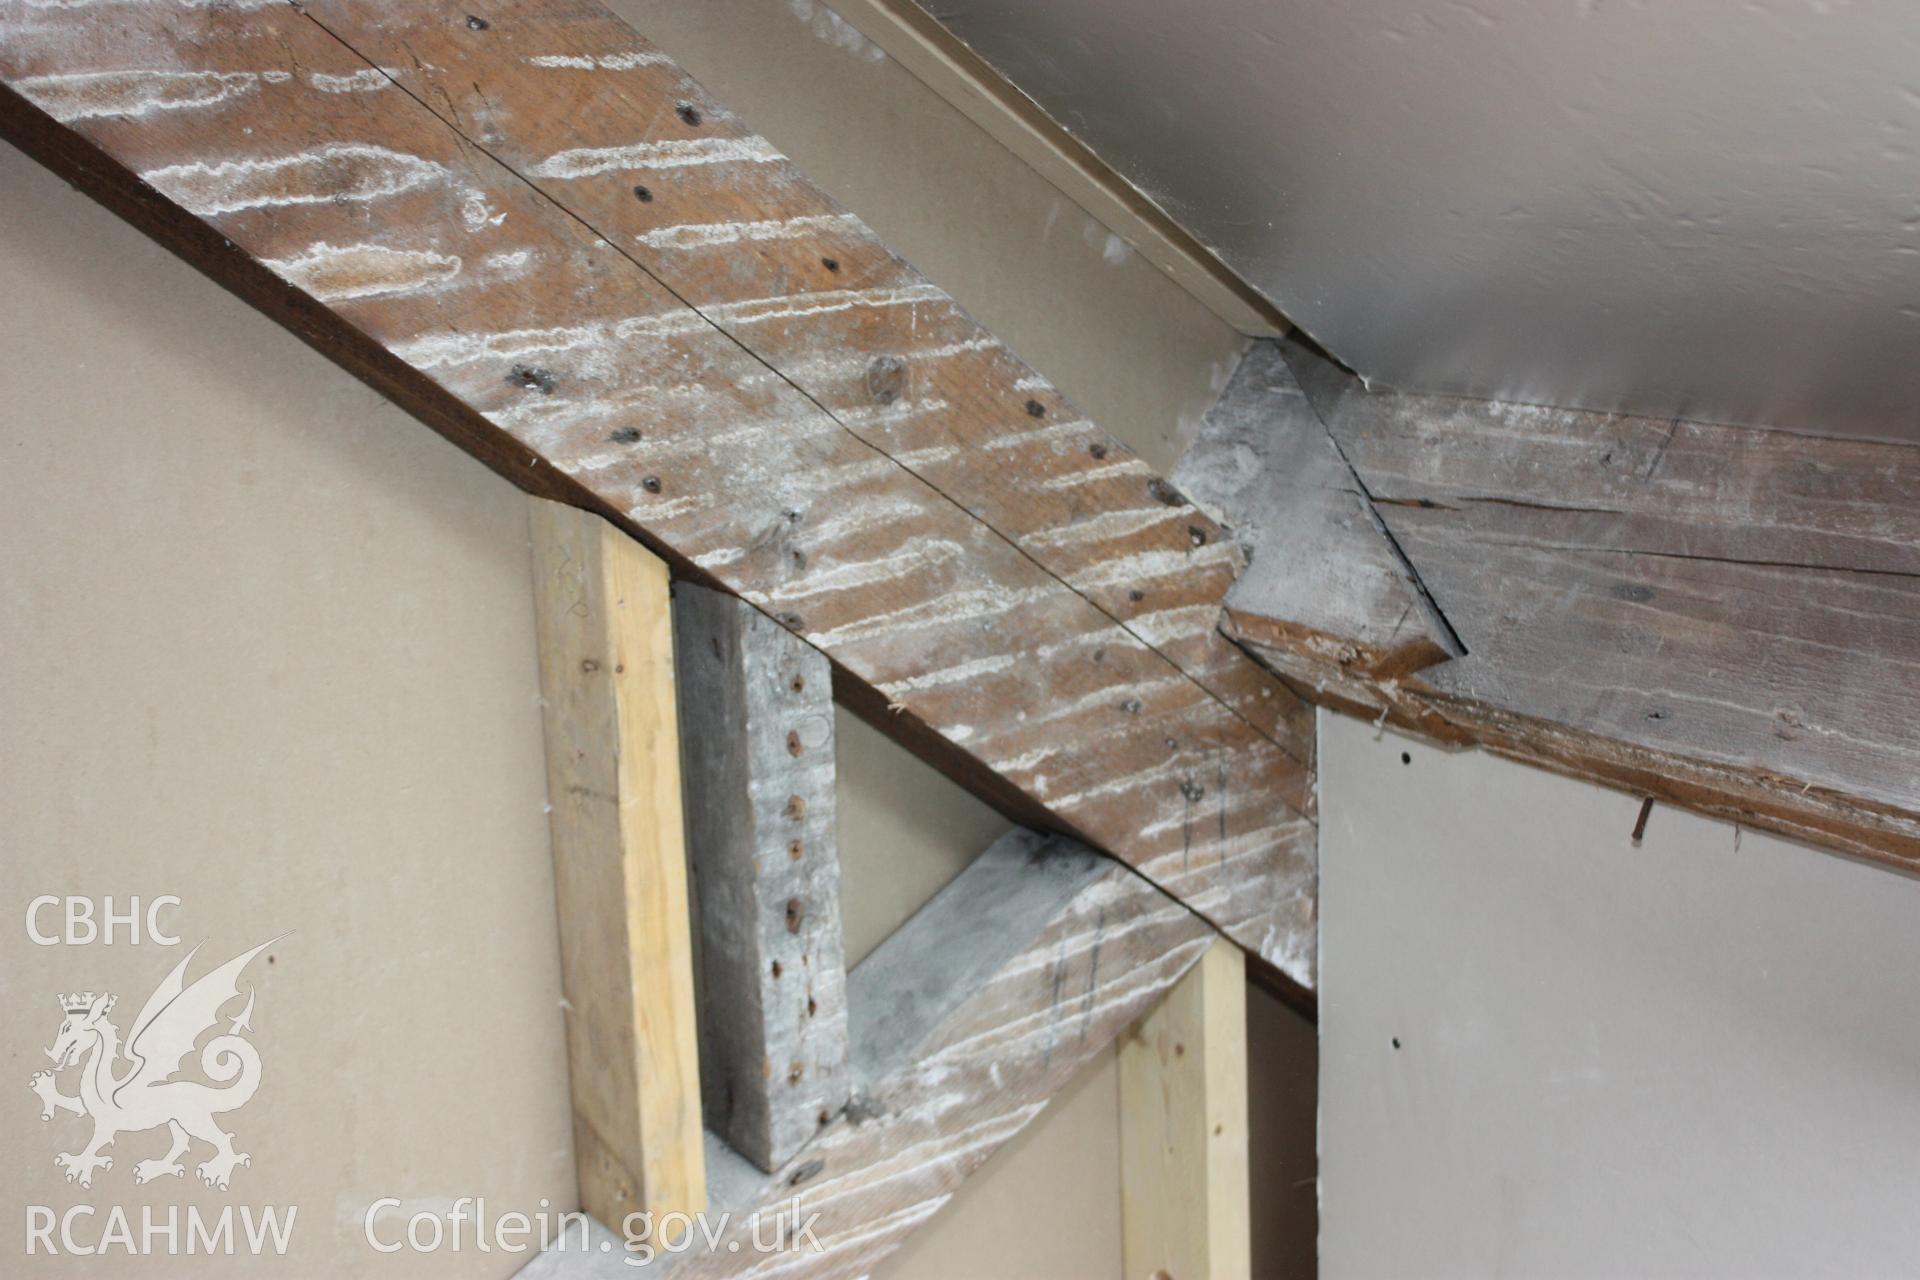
<point>1080,949</point>
<point>1327,579</point>
<point>741,236</point>
<point>756,718</point>
<point>620,876</point>
<point>276,156</point>
<point>1185,1182</point>
<point>1725,618</point>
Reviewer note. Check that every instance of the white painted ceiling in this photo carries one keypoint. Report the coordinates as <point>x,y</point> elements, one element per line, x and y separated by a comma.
<point>1705,208</point>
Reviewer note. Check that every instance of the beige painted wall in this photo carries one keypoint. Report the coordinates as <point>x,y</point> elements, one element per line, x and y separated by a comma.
<point>1549,1052</point>
<point>269,648</point>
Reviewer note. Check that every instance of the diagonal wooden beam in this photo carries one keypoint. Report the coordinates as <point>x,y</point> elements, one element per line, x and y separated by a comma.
<point>367,206</point>
<point>1724,618</point>
<point>967,1021</point>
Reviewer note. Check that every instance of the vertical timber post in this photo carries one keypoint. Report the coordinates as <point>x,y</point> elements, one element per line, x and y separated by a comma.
<point>613,784</point>
<point>1184,1190</point>
<point>756,713</point>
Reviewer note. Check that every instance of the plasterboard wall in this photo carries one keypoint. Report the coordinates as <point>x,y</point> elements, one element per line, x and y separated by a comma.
<point>1547,1051</point>
<point>1702,210</point>
<point>268,648</point>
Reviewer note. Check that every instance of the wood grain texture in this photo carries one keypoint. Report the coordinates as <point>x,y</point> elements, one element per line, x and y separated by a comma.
<point>739,234</point>
<point>1728,619</point>
<point>1093,950</point>
<point>619,860</point>
<point>345,181</point>
<point>1185,1179</point>
<point>757,746</point>
<point>1327,580</point>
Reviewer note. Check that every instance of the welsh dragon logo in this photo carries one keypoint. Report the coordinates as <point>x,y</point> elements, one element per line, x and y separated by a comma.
<point>143,1094</point>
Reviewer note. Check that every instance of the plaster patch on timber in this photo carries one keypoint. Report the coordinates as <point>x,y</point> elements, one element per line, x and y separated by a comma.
<point>784,307</point>
<point>338,172</point>
<point>835,30</point>
<point>707,235</point>
<point>82,95</point>
<point>337,273</point>
<point>909,561</point>
<point>943,611</point>
<point>671,153</point>
<point>476,214</point>
<point>1108,524</point>
<point>1054,433</point>
<point>365,80</point>
<point>627,61</point>
<point>1146,566</point>
<point>1113,470</point>
<point>955,674</point>
<point>1164,625</point>
<point>453,349</point>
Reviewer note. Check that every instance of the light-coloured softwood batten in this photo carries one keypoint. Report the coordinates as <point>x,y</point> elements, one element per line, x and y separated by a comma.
<point>1183,1129</point>
<point>619,857</point>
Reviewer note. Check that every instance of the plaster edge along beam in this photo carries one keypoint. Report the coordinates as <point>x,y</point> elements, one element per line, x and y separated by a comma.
<point>966,1022</point>
<point>1723,618</point>
<point>983,587</point>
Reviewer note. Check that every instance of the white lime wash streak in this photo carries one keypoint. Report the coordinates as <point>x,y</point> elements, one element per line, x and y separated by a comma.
<point>80,95</point>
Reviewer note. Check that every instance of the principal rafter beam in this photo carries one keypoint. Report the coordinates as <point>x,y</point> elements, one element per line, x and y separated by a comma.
<point>620,865</point>
<point>1721,617</point>
<point>529,265</point>
<point>1061,950</point>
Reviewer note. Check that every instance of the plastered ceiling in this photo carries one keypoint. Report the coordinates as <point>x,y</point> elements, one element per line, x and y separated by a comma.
<point>1706,209</point>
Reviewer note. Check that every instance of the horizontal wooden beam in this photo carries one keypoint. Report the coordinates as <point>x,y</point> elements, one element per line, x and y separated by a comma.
<point>1724,618</point>
<point>968,1020</point>
<point>534,231</point>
